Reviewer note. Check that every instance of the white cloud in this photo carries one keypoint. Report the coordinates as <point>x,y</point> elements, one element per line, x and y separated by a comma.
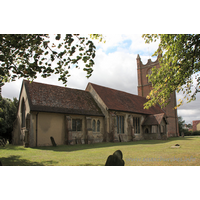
<point>12,89</point>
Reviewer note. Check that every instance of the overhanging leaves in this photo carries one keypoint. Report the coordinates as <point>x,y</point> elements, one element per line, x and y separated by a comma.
<point>26,55</point>
<point>180,60</point>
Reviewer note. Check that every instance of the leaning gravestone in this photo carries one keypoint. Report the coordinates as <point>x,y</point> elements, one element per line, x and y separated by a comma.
<point>3,141</point>
<point>115,159</point>
<point>53,141</point>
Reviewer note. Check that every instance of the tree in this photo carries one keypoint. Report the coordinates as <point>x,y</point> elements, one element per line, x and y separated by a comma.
<point>181,124</point>
<point>8,113</point>
<point>26,55</point>
<point>179,61</point>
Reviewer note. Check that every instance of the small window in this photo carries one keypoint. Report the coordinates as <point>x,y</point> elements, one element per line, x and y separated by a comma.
<point>23,110</point>
<point>93,125</point>
<point>120,124</point>
<point>162,129</point>
<point>98,126</point>
<point>154,129</point>
<point>76,124</point>
<point>136,124</point>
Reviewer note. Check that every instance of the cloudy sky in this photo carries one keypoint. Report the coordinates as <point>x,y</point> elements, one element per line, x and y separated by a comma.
<point>115,67</point>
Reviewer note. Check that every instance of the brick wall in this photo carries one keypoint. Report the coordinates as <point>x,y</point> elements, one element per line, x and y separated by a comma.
<point>144,87</point>
<point>194,125</point>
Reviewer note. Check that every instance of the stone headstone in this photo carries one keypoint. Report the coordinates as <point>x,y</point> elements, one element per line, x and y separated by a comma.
<point>53,141</point>
<point>115,159</point>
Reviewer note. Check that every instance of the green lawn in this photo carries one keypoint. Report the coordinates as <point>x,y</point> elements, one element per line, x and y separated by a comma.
<point>137,153</point>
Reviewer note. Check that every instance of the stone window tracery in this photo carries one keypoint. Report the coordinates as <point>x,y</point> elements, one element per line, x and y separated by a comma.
<point>23,110</point>
<point>136,124</point>
<point>120,124</point>
<point>93,125</point>
<point>76,124</point>
<point>98,126</point>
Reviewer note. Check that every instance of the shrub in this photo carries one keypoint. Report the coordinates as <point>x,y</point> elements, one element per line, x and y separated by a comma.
<point>196,133</point>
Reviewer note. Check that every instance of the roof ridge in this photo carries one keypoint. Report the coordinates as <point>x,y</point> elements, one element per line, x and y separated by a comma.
<point>123,101</point>
<point>51,98</point>
<point>47,84</point>
<point>116,90</point>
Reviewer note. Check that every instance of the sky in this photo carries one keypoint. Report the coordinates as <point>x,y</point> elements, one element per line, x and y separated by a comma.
<point>115,67</point>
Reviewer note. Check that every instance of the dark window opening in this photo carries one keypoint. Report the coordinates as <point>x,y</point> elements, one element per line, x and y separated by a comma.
<point>76,124</point>
<point>98,126</point>
<point>136,124</point>
<point>120,124</point>
<point>23,110</point>
<point>93,125</point>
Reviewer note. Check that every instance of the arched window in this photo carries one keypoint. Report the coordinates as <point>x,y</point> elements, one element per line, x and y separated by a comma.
<point>23,109</point>
<point>149,73</point>
<point>98,126</point>
<point>136,124</point>
<point>93,125</point>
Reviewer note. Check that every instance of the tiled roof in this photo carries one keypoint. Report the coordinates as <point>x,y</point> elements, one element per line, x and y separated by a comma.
<point>50,98</point>
<point>122,101</point>
<point>153,119</point>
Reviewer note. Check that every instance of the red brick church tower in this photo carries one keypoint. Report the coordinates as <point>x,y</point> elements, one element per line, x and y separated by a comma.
<point>144,87</point>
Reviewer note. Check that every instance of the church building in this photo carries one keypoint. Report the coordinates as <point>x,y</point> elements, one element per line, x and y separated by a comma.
<point>96,114</point>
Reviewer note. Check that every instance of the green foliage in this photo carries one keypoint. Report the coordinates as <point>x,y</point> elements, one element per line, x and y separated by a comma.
<point>28,54</point>
<point>8,113</point>
<point>196,133</point>
<point>179,61</point>
<point>98,37</point>
<point>181,124</point>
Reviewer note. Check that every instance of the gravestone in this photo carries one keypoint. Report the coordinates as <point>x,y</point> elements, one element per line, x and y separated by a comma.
<point>115,159</point>
<point>3,141</point>
<point>53,141</point>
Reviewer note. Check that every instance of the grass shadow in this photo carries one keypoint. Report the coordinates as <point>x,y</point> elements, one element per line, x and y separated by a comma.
<point>13,147</point>
<point>77,147</point>
<point>18,161</point>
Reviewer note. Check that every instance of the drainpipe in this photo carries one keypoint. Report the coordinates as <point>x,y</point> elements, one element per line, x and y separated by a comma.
<point>36,130</point>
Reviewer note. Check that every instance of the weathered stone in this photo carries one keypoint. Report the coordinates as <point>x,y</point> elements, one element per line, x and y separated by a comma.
<point>119,154</point>
<point>53,141</point>
<point>115,159</point>
<point>3,141</point>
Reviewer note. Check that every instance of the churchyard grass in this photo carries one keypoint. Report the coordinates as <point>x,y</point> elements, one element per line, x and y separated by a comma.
<point>137,153</point>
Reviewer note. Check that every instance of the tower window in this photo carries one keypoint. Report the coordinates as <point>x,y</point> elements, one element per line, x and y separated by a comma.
<point>149,73</point>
